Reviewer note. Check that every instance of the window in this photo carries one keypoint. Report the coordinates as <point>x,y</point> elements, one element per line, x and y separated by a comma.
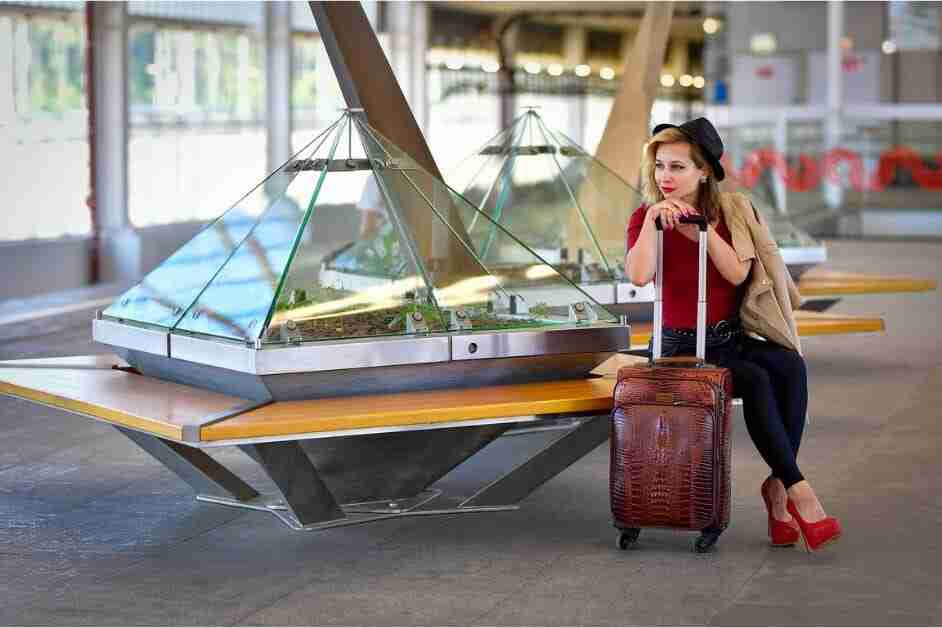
<point>197,119</point>
<point>44,120</point>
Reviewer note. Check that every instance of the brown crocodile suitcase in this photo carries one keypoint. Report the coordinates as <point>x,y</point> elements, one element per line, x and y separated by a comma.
<point>670,445</point>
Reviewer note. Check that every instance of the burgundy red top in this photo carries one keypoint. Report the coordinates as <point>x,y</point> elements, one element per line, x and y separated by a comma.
<point>680,277</point>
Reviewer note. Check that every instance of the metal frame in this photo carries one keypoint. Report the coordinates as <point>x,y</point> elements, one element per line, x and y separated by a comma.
<point>362,353</point>
<point>306,502</point>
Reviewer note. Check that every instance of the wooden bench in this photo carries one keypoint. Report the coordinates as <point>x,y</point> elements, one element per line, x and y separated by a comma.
<point>821,289</point>
<point>820,283</point>
<point>180,425</point>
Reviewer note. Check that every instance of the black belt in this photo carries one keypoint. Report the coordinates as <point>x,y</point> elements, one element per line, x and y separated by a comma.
<point>726,327</point>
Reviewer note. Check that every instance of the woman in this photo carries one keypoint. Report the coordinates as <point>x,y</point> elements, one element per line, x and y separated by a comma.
<point>750,326</point>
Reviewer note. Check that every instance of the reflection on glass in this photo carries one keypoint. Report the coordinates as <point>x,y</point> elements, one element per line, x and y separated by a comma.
<point>164,296</point>
<point>306,271</point>
<point>526,294</point>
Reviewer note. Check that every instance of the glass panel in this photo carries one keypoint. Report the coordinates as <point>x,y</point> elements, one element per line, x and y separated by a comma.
<point>549,192</point>
<point>526,293</point>
<point>477,174</point>
<point>605,204</point>
<point>304,271</point>
<point>239,297</point>
<point>788,202</point>
<point>163,296</point>
<point>352,284</point>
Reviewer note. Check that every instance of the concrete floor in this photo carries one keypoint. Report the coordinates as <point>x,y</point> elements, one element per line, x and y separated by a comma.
<point>93,531</point>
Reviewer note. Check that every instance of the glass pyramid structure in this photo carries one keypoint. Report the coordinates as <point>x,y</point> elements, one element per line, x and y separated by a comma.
<point>350,239</point>
<point>547,190</point>
<point>561,201</point>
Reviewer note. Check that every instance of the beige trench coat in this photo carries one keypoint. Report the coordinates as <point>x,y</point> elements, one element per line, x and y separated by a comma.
<point>771,296</point>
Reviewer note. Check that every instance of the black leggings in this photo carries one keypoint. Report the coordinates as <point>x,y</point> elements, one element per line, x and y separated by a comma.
<point>773,384</point>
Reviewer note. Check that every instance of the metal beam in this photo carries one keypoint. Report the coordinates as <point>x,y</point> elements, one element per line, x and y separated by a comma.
<point>367,82</point>
<point>556,457</point>
<point>299,482</point>
<point>366,78</point>
<point>192,465</point>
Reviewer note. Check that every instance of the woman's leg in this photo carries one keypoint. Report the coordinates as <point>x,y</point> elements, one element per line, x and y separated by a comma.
<point>789,378</point>
<point>763,419</point>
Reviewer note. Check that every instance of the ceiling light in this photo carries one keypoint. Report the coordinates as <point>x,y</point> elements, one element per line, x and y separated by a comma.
<point>583,70</point>
<point>667,80</point>
<point>607,73</point>
<point>889,47</point>
<point>533,68</point>
<point>454,63</point>
<point>711,25</point>
<point>686,80</point>
<point>699,82</point>
<point>763,43</point>
<point>490,66</point>
<point>554,69</point>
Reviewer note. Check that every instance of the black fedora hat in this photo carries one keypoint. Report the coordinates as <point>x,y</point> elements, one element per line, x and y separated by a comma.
<point>701,132</point>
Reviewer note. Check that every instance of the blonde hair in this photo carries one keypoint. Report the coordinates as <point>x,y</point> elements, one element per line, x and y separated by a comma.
<point>708,193</point>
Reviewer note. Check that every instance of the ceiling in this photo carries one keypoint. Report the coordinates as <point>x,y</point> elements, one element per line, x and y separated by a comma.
<point>609,16</point>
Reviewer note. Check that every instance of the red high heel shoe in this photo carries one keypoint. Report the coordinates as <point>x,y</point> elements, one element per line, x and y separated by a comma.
<point>782,533</point>
<point>818,533</point>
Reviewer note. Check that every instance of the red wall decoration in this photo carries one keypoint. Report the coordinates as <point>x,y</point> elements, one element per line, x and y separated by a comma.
<point>806,172</point>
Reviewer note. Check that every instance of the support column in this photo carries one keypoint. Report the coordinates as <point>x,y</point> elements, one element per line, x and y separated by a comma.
<point>628,125</point>
<point>679,56</point>
<point>574,53</point>
<point>193,466</point>
<point>833,194</point>
<point>278,89</point>
<point>408,45</point>
<point>507,46</point>
<point>7,103</point>
<point>118,245</point>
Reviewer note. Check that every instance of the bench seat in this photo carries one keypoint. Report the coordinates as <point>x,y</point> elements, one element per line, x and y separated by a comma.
<point>93,387</point>
<point>817,283</point>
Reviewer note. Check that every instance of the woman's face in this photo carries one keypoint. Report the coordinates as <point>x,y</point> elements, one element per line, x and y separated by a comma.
<point>676,174</point>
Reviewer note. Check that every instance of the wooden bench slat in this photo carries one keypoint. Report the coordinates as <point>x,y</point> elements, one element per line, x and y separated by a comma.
<point>823,283</point>
<point>98,361</point>
<point>157,407</point>
<point>415,408</point>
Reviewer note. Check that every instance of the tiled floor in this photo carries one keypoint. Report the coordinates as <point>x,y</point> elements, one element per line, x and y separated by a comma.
<point>93,531</point>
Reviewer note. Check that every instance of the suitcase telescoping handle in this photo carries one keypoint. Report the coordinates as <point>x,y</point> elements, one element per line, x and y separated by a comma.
<point>658,325</point>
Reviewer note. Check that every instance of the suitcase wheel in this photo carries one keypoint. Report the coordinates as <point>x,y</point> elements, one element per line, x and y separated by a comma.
<point>627,537</point>
<point>706,541</point>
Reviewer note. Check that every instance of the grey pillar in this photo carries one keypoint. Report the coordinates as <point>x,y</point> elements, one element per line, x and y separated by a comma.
<point>278,83</point>
<point>120,246</point>
<point>833,194</point>
<point>507,40</point>
<point>408,45</point>
<point>574,53</point>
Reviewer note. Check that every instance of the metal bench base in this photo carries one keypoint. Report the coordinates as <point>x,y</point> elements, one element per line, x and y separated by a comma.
<point>307,503</point>
<point>353,516</point>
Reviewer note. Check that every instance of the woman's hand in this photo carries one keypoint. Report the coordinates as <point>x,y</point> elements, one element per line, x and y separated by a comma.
<point>670,211</point>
